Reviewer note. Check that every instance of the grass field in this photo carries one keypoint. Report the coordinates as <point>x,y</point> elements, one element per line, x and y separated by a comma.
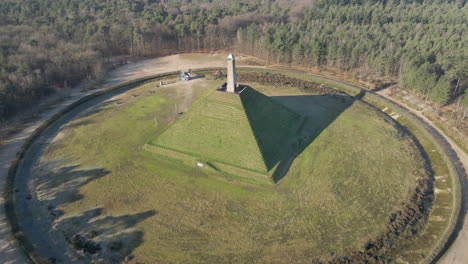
<point>353,172</point>
<point>217,120</point>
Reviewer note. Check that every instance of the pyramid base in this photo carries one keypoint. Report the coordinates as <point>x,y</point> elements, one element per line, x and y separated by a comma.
<point>213,166</point>
<point>239,89</point>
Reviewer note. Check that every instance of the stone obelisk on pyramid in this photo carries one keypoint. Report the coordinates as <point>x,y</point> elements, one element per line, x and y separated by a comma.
<point>231,74</point>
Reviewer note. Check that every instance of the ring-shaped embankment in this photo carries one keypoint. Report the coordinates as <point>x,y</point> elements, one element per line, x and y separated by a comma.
<point>87,102</point>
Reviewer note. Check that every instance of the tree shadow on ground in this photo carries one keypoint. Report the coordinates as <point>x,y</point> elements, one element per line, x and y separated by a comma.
<point>285,126</point>
<point>79,123</point>
<point>90,235</point>
<point>106,239</point>
<point>197,77</point>
<point>39,196</point>
<point>97,104</point>
<point>102,107</point>
<point>56,187</point>
<point>383,86</point>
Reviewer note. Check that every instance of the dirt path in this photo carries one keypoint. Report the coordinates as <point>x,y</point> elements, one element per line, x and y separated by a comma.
<point>9,250</point>
<point>458,251</point>
<point>179,62</point>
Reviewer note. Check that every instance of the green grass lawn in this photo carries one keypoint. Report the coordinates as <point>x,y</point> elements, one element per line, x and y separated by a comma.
<point>217,120</point>
<point>338,193</point>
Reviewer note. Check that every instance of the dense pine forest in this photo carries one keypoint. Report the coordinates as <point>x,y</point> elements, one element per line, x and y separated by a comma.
<point>49,44</point>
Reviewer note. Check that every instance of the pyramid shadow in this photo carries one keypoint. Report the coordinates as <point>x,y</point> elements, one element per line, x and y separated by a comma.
<point>285,126</point>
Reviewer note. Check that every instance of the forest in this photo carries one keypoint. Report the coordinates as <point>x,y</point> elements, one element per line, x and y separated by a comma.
<point>46,45</point>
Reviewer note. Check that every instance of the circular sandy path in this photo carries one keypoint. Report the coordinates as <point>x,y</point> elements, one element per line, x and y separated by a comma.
<point>11,253</point>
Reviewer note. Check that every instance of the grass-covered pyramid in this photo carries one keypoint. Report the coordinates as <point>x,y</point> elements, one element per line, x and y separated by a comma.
<point>247,130</point>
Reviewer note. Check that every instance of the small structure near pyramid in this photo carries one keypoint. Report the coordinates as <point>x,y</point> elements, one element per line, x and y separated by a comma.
<point>231,75</point>
<point>218,75</point>
<point>185,76</point>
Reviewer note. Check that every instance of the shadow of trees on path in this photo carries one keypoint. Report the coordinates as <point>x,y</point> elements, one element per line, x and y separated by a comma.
<point>41,190</point>
<point>61,186</point>
<point>108,239</point>
<point>89,236</point>
<point>383,86</point>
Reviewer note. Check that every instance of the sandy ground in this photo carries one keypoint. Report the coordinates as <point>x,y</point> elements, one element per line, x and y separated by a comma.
<point>179,62</point>
<point>9,250</point>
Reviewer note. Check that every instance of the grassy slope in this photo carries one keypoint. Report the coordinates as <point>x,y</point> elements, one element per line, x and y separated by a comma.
<point>217,120</point>
<point>254,131</point>
<point>324,204</point>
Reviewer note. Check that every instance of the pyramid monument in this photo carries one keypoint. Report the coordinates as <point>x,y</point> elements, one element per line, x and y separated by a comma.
<point>247,130</point>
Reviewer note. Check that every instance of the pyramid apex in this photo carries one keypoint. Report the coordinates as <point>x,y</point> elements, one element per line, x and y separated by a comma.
<point>231,56</point>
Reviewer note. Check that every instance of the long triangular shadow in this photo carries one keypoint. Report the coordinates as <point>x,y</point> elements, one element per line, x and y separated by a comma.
<point>285,126</point>
<point>273,125</point>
